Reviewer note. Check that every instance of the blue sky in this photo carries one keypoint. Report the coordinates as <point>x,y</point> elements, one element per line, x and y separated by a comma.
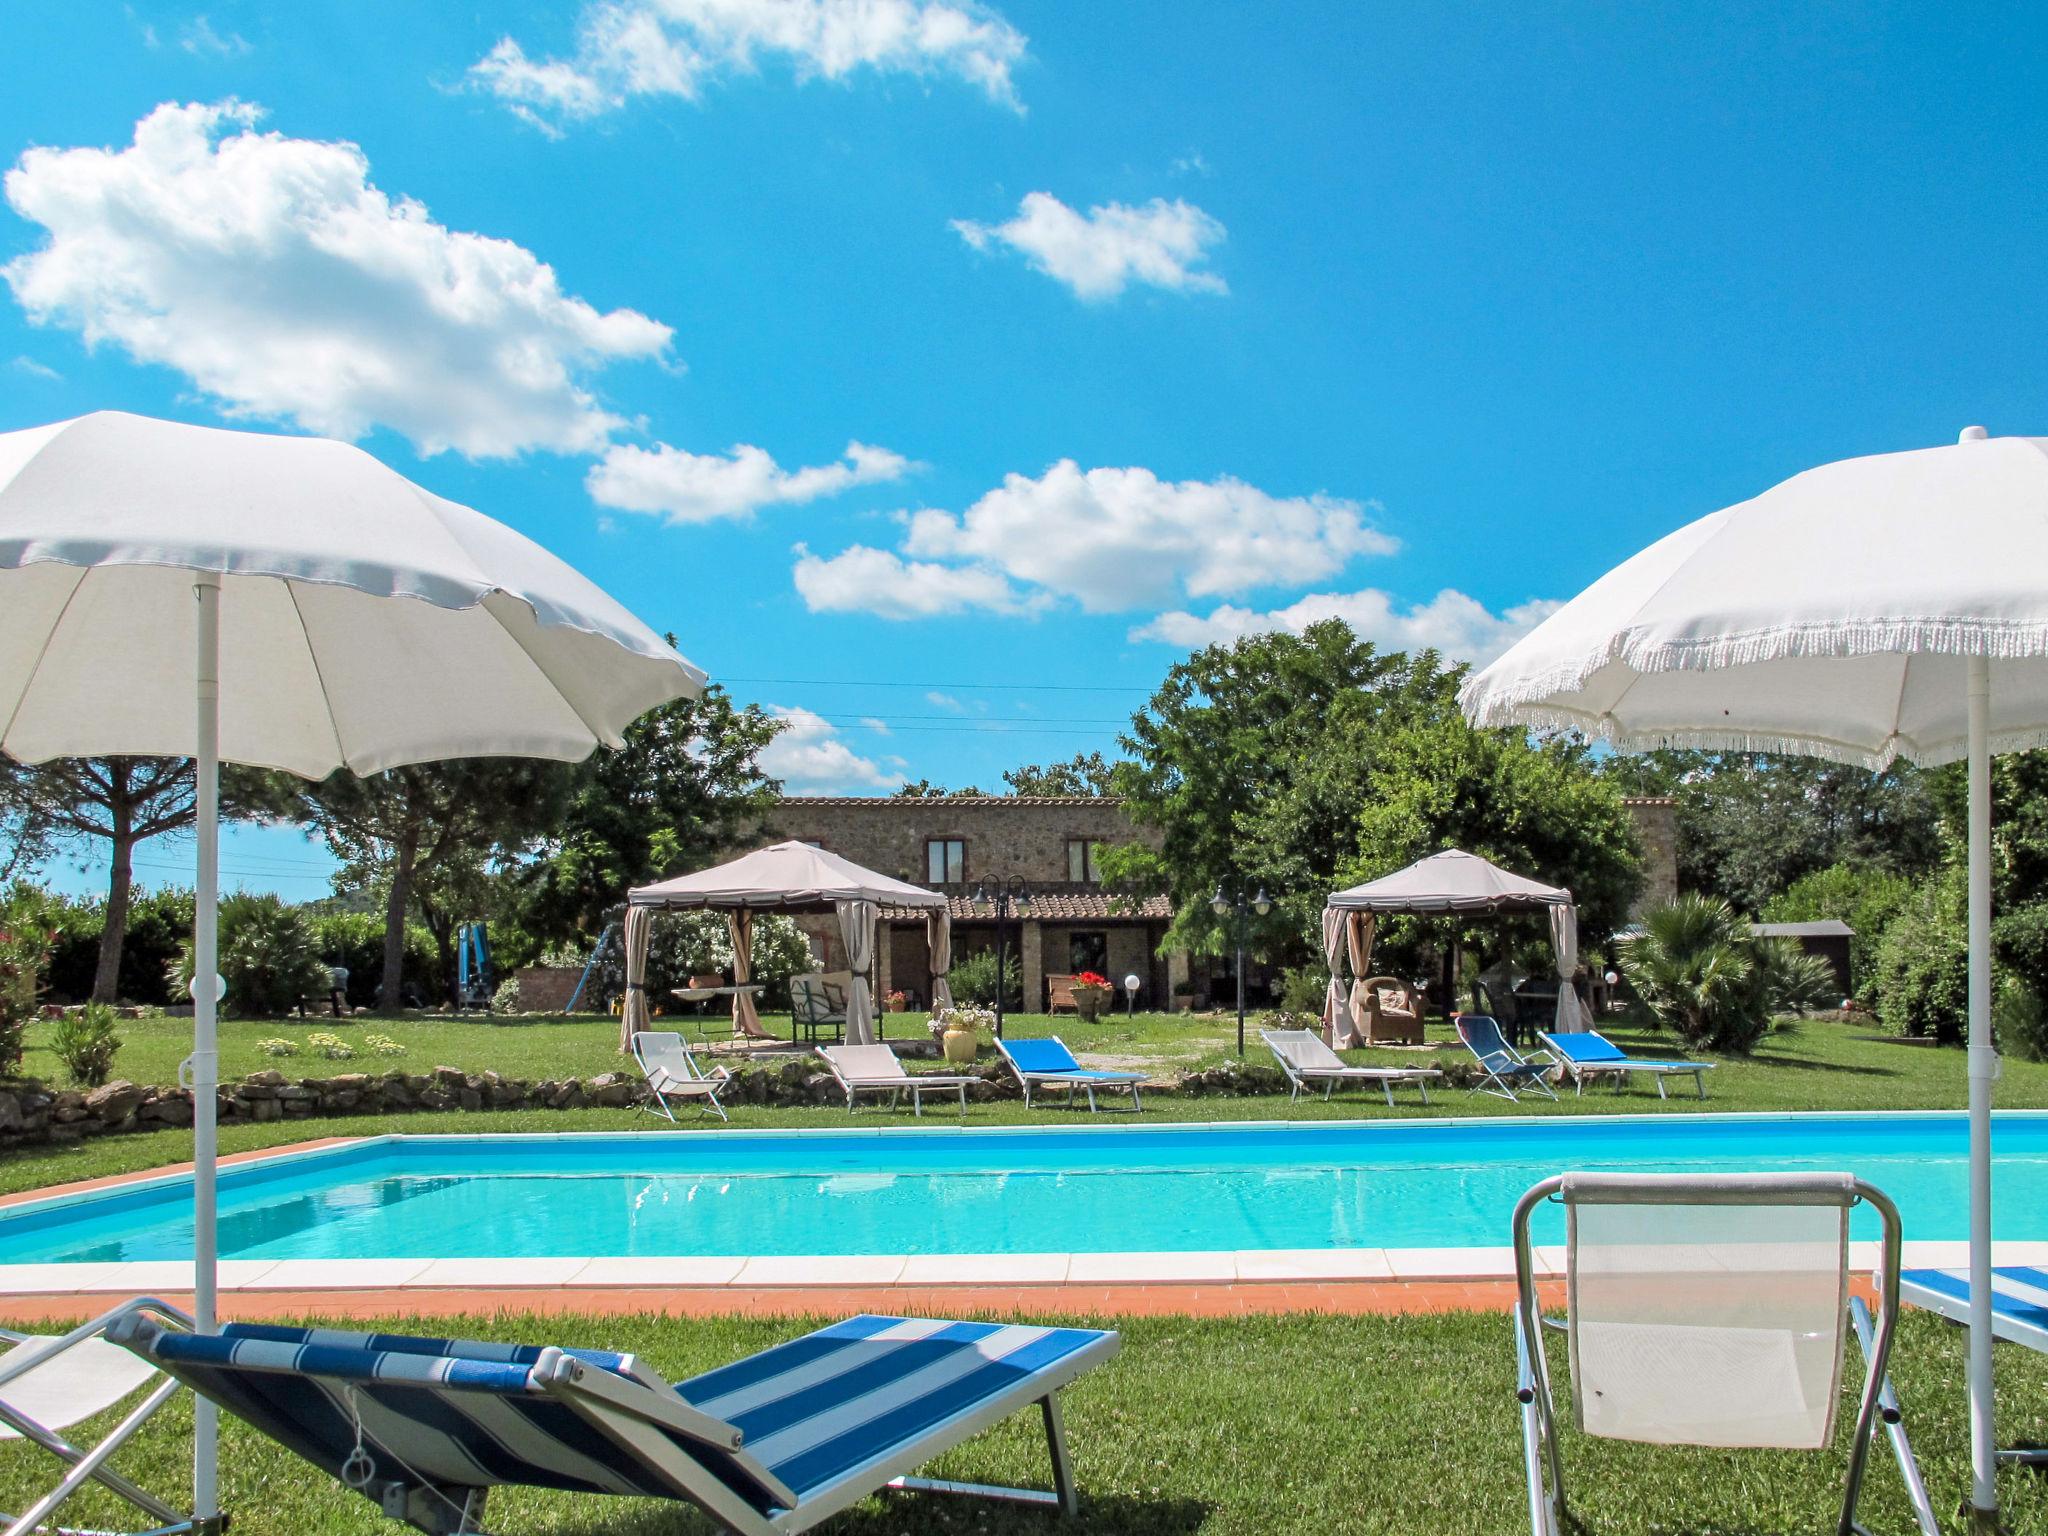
<point>898,356</point>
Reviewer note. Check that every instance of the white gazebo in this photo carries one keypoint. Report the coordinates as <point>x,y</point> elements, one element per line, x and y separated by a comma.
<point>786,877</point>
<point>1449,883</point>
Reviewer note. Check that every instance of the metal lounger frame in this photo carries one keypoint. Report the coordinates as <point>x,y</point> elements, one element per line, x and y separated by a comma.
<point>1542,1462</point>
<point>1517,1066</point>
<point>89,1465</point>
<point>939,1081</point>
<point>1582,1070</point>
<point>658,1077</point>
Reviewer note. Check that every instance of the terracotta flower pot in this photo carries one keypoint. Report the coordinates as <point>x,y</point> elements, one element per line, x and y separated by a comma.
<point>1089,1001</point>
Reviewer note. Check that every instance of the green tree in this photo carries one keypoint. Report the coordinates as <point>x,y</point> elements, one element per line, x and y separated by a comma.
<point>1085,773</point>
<point>125,801</point>
<point>2019,855</point>
<point>925,789</point>
<point>686,785</point>
<point>411,830</point>
<point>1303,763</point>
<point>1696,967</point>
<point>1865,898</point>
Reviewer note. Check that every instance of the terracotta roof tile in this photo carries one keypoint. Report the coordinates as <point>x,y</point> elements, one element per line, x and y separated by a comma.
<point>910,802</point>
<point>1056,904</point>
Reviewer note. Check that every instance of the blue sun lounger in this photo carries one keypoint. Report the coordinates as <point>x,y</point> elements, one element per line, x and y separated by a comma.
<point>1591,1054</point>
<point>2019,1311</point>
<point>1503,1067</point>
<point>768,1446</point>
<point>1048,1063</point>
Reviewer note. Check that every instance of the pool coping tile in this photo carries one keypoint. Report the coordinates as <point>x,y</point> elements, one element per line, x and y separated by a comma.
<point>821,1269</point>
<point>653,1270</point>
<point>474,1273</point>
<point>1124,1268</point>
<point>1311,1264</point>
<point>986,1268</point>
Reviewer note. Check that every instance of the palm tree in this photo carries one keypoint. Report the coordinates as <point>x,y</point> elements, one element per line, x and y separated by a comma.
<point>1695,966</point>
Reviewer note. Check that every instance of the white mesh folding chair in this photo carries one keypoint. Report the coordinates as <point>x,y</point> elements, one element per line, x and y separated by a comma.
<point>674,1076</point>
<point>1710,1311</point>
<point>49,1383</point>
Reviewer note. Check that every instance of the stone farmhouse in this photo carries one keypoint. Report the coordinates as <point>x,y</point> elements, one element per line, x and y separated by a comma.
<point>1070,923</point>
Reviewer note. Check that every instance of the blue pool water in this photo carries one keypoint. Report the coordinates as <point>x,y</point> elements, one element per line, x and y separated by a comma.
<point>1380,1185</point>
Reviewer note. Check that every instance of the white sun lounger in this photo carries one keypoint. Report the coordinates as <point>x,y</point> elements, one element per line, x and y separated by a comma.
<point>768,1446</point>
<point>1307,1060</point>
<point>1709,1310</point>
<point>875,1069</point>
<point>48,1383</point>
<point>673,1074</point>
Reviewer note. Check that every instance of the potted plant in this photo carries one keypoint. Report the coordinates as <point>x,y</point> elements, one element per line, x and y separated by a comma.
<point>898,1002</point>
<point>1091,995</point>
<point>959,1031</point>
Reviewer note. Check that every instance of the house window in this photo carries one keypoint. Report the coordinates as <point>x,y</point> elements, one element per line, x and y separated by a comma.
<point>1088,952</point>
<point>1081,868</point>
<point>945,860</point>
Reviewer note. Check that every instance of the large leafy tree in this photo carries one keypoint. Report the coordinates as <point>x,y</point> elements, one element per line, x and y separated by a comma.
<point>1085,773</point>
<point>1752,824</point>
<point>1302,763</point>
<point>418,831</point>
<point>125,801</point>
<point>684,787</point>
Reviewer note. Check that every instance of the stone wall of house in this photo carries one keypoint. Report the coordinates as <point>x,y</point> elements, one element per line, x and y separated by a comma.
<point>1656,820</point>
<point>1023,836</point>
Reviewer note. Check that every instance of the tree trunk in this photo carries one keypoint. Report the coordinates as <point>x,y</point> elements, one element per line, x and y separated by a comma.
<point>106,979</point>
<point>395,904</point>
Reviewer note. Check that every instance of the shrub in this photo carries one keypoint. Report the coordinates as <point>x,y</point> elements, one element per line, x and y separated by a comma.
<point>25,938</point>
<point>506,998</point>
<point>85,1042</point>
<point>355,940</point>
<point>267,954</point>
<point>158,923</point>
<point>686,944</point>
<point>333,1047</point>
<point>277,1045</point>
<point>974,980</point>
<point>2019,1021</point>
<point>1698,969</point>
<point>1302,990</point>
<point>1923,966</point>
<point>382,1045</point>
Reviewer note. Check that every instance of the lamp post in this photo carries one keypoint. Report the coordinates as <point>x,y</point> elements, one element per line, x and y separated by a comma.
<point>1002,897</point>
<point>1224,906</point>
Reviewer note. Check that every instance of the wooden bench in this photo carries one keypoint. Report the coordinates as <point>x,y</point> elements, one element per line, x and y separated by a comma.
<point>1059,993</point>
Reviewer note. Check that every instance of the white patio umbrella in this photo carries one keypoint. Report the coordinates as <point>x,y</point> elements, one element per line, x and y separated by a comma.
<point>285,602</point>
<point>1882,607</point>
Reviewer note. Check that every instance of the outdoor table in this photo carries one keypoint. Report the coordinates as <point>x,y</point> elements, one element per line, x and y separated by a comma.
<point>1533,1011</point>
<point>705,994</point>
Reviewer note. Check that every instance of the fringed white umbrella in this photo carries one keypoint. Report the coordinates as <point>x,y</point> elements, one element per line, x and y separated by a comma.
<point>1882,607</point>
<point>285,602</point>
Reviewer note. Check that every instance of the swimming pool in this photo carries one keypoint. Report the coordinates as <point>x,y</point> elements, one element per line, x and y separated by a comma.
<point>1156,1189</point>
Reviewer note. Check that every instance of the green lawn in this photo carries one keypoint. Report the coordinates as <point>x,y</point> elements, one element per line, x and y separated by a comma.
<point>1802,1065</point>
<point>1305,1424</point>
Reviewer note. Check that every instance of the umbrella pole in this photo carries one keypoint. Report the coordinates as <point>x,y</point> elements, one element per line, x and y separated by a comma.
<point>1983,1071</point>
<point>205,1045</point>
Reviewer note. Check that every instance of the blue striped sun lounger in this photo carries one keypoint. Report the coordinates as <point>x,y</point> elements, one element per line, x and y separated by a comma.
<point>1590,1054</point>
<point>767,1446</point>
<point>1047,1063</point>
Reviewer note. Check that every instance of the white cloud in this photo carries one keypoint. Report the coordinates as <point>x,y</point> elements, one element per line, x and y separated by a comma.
<point>1123,538</point>
<point>1458,626</point>
<point>1100,253</point>
<point>1190,164</point>
<point>635,48</point>
<point>272,273</point>
<point>863,579</point>
<point>700,487</point>
<point>35,370</point>
<point>939,700</point>
<point>200,37</point>
<point>809,758</point>
<point>879,727</point>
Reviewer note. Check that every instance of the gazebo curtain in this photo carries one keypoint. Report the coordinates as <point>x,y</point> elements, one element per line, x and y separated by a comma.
<point>746,1019</point>
<point>938,937</point>
<point>1358,929</point>
<point>857,927</point>
<point>634,1017</point>
<point>1337,999</point>
<point>1564,937</point>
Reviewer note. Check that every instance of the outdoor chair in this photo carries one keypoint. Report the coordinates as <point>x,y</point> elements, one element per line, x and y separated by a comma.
<point>673,1075</point>
<point>1393,1015</point>
<point>1048,1063</point>
<point>1504,1009</point>
<point>48,1383</point>
<point>1708,1310</point>
<point>2019,1313</point>
<point>1591,1055</point>
<point>1505,1068</point>
<point>1308,1060</point>
<point>875,1069</point>
<point>768,1446</point>
<point>1059,994</point>
<point>817,1002</point>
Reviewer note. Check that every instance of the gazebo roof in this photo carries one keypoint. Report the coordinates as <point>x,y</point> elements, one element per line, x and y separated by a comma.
<point>1451,881</point>
<point>783,876</point>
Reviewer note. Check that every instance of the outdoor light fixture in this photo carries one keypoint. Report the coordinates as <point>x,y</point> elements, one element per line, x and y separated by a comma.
<point>1001,898</point>
<point>1131,995</point>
